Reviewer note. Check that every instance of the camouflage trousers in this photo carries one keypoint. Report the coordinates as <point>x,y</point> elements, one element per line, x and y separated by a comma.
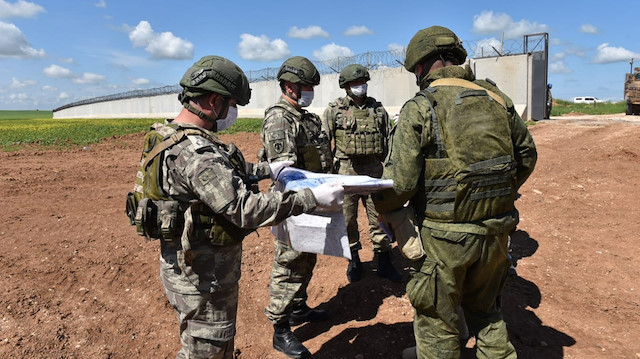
<point>290,277</point>
<point>204,295</point>
<point>460,269</point>
<point>368,166</point>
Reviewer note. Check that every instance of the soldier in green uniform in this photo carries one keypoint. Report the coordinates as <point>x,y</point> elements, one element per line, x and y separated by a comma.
<point>458,155</point>
<point>290,133</point>
<point>193,193</point>
<point>360,127</point>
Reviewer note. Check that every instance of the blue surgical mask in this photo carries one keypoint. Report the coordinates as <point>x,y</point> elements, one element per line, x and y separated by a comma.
<point>306,97</point>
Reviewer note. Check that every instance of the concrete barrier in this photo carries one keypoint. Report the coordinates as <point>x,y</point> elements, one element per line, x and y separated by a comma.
<point>519,76</point>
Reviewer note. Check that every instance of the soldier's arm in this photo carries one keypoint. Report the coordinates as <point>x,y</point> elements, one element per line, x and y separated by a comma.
<point>278,138</point>
<point>524,149</point>
<point>386,132</point>
<point>404,163</point>
<point>215,183</point>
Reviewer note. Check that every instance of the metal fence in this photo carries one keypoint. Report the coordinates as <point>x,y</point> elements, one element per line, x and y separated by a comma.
<point>373,60</point>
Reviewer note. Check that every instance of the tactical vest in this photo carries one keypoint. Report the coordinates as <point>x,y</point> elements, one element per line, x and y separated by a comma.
<point>155,214</point>
<point>358,130</point>
<point>313,147</point>
<point>470,173</point>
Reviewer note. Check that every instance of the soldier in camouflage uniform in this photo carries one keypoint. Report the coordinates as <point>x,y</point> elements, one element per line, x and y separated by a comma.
<point>360,127</point>
<point>291,133</point>
<point>459,154</point>
<point>193,192</point>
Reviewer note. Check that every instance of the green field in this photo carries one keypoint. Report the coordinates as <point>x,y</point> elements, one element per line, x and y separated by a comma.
<point>563,107</point>
<point>19,128</point>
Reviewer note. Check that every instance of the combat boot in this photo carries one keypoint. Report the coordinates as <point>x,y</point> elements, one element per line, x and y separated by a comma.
<point>302,314</point>
<point>386,268</point>
<point>354,269</point>
<point>285,341</point>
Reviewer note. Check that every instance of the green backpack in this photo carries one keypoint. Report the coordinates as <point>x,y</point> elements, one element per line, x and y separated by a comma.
<point>470,173</point>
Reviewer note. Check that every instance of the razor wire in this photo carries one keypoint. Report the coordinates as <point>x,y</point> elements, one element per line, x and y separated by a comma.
<point>372,60</point>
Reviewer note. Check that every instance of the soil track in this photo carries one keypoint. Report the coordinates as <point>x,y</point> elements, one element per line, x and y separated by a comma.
<point>77,282</point>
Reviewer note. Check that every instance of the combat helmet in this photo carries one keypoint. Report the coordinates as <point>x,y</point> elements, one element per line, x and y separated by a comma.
<point>351,73</point>
<point>299,69</point>
<point>215,74</point>
<point>431,41</point>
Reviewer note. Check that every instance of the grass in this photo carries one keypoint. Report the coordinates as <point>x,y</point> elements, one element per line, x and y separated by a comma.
<point>562,107</point>
<point>21,128</point>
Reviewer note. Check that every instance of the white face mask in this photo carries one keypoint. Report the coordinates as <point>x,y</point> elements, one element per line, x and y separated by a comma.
<point>359,90</point>
<point>232,115</point>
<point>306,97</point>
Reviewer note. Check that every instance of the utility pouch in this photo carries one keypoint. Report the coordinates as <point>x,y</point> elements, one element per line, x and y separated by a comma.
<point>145,212</point>
<point>422,288</point>
<point>169,219</point>
<point>131,207</point>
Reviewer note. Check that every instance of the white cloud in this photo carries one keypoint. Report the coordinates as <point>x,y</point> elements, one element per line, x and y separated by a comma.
<point>48,88</point>
<point>55,71</point>
<point>18,97</point>
<point>331,51</point>
<point>15,83</point>
<point>261,48</point>
<point>357,31</point>
<point>489,23</point>
<point>14,44</point>
<point>63,95</point>
<point>487,47</point>
<point>588,29</point>
<point>559,56</point>
<point>396,48</point>
<point>140,81</point>
<point>19,8</point>
<point>160,45</point>
<point>608,54</point>
<point>559,67</point>
<point>307,32</point>
<point>101,3</point>
<point>68,60</point>
<point>125,60</point>
<point>89,78</point>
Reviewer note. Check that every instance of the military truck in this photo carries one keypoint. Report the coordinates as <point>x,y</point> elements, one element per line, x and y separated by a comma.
<point>632,92</point>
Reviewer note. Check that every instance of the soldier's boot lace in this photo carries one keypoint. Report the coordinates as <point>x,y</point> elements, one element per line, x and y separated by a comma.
<point>354,269</point>
<point>302,314</point>
<point>286,342</point>
<point>386,268</point>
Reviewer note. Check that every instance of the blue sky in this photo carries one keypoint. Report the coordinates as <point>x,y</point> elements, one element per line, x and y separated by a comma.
<point>56,52</point>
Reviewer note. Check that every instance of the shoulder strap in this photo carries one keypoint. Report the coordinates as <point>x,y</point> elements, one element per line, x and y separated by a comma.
<point>450,81</point>
<point>176,137</point>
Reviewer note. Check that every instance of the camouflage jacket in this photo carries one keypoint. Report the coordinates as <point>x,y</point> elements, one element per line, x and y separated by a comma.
<point>289,134</point>
<point>413,138</point>
<point>198,170</point>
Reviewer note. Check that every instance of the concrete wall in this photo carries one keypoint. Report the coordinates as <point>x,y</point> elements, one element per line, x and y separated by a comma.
<point>521,77</point>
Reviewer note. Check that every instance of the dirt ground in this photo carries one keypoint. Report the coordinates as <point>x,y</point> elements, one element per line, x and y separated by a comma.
<point>77,282</point>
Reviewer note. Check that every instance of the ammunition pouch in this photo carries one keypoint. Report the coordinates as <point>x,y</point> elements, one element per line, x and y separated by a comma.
<point>165,220</point>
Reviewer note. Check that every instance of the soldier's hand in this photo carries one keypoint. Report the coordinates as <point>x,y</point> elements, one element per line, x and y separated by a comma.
<point>329,196</point>
<point>276,168</point>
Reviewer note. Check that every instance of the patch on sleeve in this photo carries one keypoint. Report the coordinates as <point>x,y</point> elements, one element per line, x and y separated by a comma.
<point>276,141</point>
<point>206,176</point>
<point>216,189</point>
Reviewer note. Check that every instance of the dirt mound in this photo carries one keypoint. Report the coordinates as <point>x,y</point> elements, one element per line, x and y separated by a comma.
<point>79,283</point>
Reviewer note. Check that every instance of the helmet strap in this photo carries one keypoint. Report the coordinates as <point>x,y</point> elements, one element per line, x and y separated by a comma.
<point>200,114</point>
<point>298,92</point>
